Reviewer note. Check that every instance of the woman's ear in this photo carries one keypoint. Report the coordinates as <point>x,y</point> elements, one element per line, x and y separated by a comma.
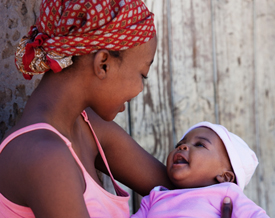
<point>227,176</point>
<point>101,63</point>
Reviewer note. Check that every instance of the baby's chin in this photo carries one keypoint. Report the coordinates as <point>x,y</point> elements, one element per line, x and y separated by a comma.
<point>182,185</point>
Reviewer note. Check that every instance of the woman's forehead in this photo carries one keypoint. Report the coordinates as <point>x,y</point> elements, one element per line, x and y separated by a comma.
<point>148,47</point>
<point>144,52</point>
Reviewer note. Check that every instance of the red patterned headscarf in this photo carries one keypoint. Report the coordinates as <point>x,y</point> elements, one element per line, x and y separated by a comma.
<point>67,28</point>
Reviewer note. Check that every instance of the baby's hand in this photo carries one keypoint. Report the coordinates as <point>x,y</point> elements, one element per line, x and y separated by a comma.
<point>226,208</point>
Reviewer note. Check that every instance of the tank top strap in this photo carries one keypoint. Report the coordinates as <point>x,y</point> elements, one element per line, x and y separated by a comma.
<point>119,191</point>
<point>30,128</point>
<point>38,126</point>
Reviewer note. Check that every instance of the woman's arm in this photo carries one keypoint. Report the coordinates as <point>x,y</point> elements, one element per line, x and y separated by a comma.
<point>129,162</point>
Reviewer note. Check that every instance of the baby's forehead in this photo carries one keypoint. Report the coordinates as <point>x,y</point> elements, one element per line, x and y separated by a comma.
<point>206,134</point>
<point>201,131</point>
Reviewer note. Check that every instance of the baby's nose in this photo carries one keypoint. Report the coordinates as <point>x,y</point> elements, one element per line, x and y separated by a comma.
<point>183,147</point>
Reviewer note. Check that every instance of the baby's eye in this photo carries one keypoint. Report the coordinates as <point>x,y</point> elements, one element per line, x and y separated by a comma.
<point>199,144</point>
<point>181,142</point>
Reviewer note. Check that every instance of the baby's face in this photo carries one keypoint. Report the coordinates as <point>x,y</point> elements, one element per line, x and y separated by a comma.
<point>197,159</point>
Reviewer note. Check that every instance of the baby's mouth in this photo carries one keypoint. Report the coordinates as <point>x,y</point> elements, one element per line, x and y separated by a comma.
<point>180,159</point>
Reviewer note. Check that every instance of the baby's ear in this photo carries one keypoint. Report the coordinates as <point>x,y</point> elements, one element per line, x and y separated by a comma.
<point>227,176</point>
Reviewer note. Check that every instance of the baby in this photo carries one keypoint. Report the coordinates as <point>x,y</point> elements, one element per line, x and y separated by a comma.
<point>207,164</point>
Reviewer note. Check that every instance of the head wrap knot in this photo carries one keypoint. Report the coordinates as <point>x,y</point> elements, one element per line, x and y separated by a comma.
<point>66,28</point>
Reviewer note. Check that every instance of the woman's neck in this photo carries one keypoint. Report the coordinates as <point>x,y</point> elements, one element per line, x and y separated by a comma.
<point>56,103</point>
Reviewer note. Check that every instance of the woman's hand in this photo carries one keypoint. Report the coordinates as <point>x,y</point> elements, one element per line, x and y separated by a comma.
<point>226,208</point>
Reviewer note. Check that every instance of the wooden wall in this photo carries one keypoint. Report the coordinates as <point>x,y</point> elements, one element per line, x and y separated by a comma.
<point>215,61</point>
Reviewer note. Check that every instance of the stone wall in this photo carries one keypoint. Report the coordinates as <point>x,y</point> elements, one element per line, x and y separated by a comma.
<point>16,18</point>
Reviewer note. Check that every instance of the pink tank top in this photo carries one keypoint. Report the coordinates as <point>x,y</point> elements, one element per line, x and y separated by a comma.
<point>99,202</point>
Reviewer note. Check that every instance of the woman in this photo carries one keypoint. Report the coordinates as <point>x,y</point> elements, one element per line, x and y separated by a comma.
<point>95,55</point>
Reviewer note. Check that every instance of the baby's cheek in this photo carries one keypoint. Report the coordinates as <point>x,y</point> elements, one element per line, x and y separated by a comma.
<point>169,159</point>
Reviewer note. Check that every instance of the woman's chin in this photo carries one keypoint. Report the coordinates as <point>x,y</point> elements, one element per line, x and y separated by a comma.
<point>122,108</point>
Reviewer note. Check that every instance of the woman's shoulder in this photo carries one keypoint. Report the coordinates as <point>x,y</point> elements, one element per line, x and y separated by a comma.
<point>32,138</point>
<point>34,159</point>
<point>32,149</point>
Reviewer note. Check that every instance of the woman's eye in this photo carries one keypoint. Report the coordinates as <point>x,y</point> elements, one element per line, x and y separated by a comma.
<point>144,77</point>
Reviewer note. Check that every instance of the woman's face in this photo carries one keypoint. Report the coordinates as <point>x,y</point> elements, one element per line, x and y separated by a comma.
<point>125,78</point>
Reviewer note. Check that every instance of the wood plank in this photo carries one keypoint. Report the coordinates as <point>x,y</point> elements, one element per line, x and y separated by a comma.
<point>233,23</point>
<point>265,86</point>
<point>151,113</point>
<point>193,82</point>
